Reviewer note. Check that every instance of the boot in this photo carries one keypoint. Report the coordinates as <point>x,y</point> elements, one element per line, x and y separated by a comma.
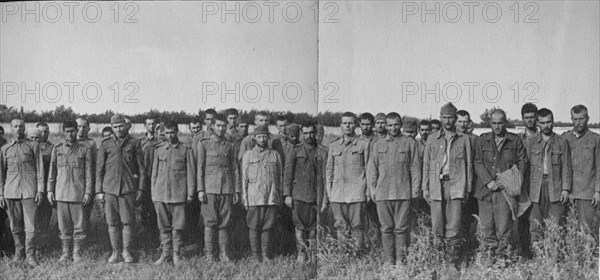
<point>209,243</point>
<point>255,244</point>
<point>358,236</point>
<point>166,249</point>
<point>387,241</point>
<point>402,241</point>
<point>19,239</point>
<point>127,242</point>
<point>223,242</point>
<point>177,244</point>
<point>300,246</point>
<point>30,249</point>
<point>66,254</point>
<point>115,241</point>
<point>265,240</point>
<point>77,250</point>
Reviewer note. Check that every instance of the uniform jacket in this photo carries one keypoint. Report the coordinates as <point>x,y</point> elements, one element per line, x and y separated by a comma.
<point>21,169</point>
<point>71,172</point>
<point>120,166</point>
<point>217,166</point>
<point>46,150</point>
<point>346,178</point>
<point>91,144</point>
<point>560,172</point>
<point>394,169</point>
<point>173,173</point>
<point>262,177</point>
<point>304,177</point>
<point>585,157</point>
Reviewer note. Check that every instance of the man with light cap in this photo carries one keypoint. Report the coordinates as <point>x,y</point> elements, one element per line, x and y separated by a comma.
<point>379,127</point>
<point>261,118</point>
<point>22,189</point>
<point>409,128</point>
<point>447,179</point>
<point>120,183</point>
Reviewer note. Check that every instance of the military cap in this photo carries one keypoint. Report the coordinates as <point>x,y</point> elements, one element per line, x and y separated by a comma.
<point>410,124</point>
<point>292,129</point>
<point>117,118</point>
<point>261,129</point>
<point>448,109</point>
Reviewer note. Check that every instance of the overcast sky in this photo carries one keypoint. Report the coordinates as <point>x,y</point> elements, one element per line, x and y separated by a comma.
<point>372,56</point>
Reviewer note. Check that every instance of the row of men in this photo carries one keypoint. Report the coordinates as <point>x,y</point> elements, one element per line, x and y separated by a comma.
<point>354,171</point>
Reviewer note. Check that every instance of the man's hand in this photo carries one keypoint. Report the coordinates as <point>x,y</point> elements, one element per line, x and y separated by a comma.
<point>50,196</point>
<point>237,197</point>
<point>288,201</point>
<point>427,197</point>
<point>39,198</point>
<point>2,202</point>
<point>373,198</point>
<point>596,199</point>
<point>246,207</point>
<point>100,197</point>
<point>492,186</point>
<point>138,196</point>
<point>190,198</point>
<point>202,197</point>
<point>324,207</point>
<point>564,197</point>
<point>87,198</point>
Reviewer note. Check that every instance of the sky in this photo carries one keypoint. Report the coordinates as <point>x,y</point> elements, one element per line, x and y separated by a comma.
<point>376,56</point>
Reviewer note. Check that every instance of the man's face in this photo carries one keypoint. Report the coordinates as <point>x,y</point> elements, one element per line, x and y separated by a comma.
<point>435,127</point>
<point>82,128</point>
<point>18,128</point>
<point>171,135</point>
<point>281,126</point>
<point>231,119</point>
<point>261,120</point>
<point>119,129</point>
<point>546,124</point>
<point>34,136</point>
<point>209,119</point>
<point>106,134</point>
<point>70,134</point>
<point>366,126</point>
<point>220,127</point>
<point>151,125</point>
<point>309,134</point>
<point>498,124</point>
<point>380,126</point>
<point>393,126</point>
<point>529,120</point>
<point>580,121</point>
<point>294,139</point>
<point>448,121</point>
<point>195,128</point>
<point>127,125</point>
<point>261,140</point>
<point>348,125</point>
<point>409,132</point>
<point>44,132</point>
<point>243,128</point>
<point>424,130</point>
<point>462,122</point>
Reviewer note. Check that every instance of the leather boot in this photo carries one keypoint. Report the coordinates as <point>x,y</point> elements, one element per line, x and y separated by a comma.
<point>265,241</point>
<point>402,241</point>
<point>300,246</point>
<point>387,242</point>
<point>127,242</point>
<point>66,247</point>
<point>115,241</point>
<point>223,248</point>
<point>209,243</point>
<point>177,245</point>
<point>77,243</point>
<point>166,244</point>
<point>255,244</point>
<point>30,249</point>
<point>19,239</point>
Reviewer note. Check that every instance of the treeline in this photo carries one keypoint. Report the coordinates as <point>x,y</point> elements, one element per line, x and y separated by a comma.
<point>327,118</point>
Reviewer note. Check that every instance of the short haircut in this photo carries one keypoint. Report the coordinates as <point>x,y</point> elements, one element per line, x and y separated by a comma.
<point>241,120</point>
<point>69,124</point>
<point>232,111</point>
<point>436,121</point>
<point>544,112</point>
<point>499,111</point>
<point>425,122</point>
<point>152,118</point>
<point>41,124</point>
<point>367,116</point>
<point>195,120</point>
<point>528,108</point>
<point>107,129</point>
<point>210,112</point>
<point>463,113</point>
<point>282,118</point>
<point>393,116</point>
<point>262,113</point>
<point>309,124</point>
<point>171,125</point>
<point>349,114</point>
<point>579,109</point>
<point>221,117</point>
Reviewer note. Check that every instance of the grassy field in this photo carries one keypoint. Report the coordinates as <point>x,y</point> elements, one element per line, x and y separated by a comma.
<point>565,253</point>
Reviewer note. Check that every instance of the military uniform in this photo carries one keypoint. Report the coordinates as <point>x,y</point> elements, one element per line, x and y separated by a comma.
<point>21,178</point>
<point>371,207</point>
<point>45,209</point>
<point>248,143</point>
<point>144,211</point>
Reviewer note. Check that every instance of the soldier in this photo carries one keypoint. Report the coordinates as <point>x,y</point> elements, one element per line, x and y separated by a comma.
<point>463,119</point>
<point>209,121</point>
<point>496,152</point>
<point>424,130</point>
<point>195,223</point>
<point>173,184</point>
<point>585,154</point>
<point>447,176</point>
<point>45,209</point>
<point>281,122</point>
<point>262,172</point>
<point>394,173</point>
<point>346,184</point>
<point>304,179</point>
<point>146,219</point>
<point>21,189</point>
<point>83,128</point>
<point>320,134</point>
<point>529,117</point>
<point>232,117</point>
<point>218,188</point>
<point>366,122</point>
<point>70,187</point>
<point>409,128</point>
<point>107,132</point>
<point>261,118</point>
<point>242,127</point>
<point>380,131</point>
<point>120,184</point>
<point>292,132</point>
<point>436,125</point>
<point>195,127</point>
<point>550,176</point>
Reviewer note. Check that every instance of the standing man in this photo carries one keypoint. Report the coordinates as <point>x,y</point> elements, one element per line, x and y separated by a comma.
<point>45,209</point>
<point>261,118</point>
<point>447,176</point>
<point>107,132</point>
<point>394,179</point>
<point>424,130</point>
<point>218,188</point>
<point>262,173</point>
<point>70,187</point>
<point>194,219</point>
<point>120,184</point>
<point>242,127</point>
<point>380,131</point>
<point>585,154</point>
<point>209,121</point>
<point>232,117</point>
<point>463,119</point>
<point>550,177</point>
<point>409,128</point>
<point>496,152</point>
<point>346,181</point>
<point>366,121</point>
<point>22,189</point>
<point>304,179</point>
<point>195,128</point>
<point>146,221</point>
<point>173,184</point>
<point>292,139</point>
<point>281,122</point>
<point>83,128</point>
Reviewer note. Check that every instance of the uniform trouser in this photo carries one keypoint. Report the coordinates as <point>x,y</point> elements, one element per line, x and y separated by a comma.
<point>304,215</point>
<point>120,211</point>
<point>373,220</point>
<point>22,213</point>
<point>216,213</point>
<point>42,218</point>
<point>588,215</point>
<point>171,219</point>
<point>496,220</point>
<point>394,216</point>
<point>446,216</point>
<point>146,218</point>
<point>350,216</point>
<point>261,220</point>
<point>71,220</point>
<point>469,223</point>
<point>542,210</point>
